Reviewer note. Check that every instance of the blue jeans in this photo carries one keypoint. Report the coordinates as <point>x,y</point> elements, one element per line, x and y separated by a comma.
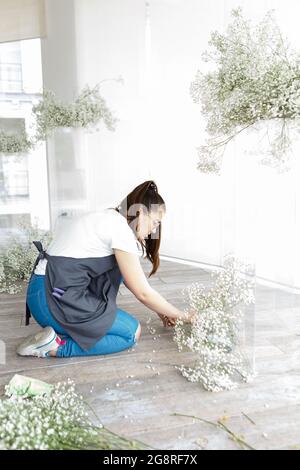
<point>120,336</point>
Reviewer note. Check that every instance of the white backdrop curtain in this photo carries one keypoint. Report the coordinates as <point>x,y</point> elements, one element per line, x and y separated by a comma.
<point>22,19</point>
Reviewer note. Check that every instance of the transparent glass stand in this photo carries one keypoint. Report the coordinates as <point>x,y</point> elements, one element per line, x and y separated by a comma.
<point>238,240</point>
<point>67,172</point>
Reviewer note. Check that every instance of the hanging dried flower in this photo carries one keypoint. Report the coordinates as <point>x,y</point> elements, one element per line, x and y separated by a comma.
<point>86,111</point>
<point>255,77</point>
<point>15,143</point>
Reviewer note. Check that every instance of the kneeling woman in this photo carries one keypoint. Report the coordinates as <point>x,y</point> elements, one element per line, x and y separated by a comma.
<point>74,284</point>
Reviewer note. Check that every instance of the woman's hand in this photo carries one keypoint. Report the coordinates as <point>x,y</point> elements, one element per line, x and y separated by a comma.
<point>187,317</point>
<point>167,321</point>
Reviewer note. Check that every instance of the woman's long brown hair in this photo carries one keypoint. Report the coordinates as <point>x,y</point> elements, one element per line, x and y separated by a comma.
<point>145,195</point>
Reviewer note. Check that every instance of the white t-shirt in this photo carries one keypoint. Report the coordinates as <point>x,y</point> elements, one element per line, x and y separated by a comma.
<point>90,235</point>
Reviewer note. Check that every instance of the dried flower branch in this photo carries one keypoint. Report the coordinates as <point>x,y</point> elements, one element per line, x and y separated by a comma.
<point>56,420</point>
<point>221,425</point>
<point>256,77</point>
<point>15,143</point>
<point>18,257</point>
<point>214,333</point>
<point>86,111</point>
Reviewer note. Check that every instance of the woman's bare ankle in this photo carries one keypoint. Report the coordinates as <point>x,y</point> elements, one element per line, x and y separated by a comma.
<point>54,351</point>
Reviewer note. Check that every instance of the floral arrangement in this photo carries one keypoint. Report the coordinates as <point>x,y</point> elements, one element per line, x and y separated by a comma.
<point>18,256</point>
<point>86,111</point>
<point>14,143</point>
<point>57,420</point>
<point>214,332</point>
<point>255,77</point>
<point>50,113</point>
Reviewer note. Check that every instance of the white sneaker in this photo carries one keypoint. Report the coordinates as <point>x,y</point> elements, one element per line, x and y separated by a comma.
<point>39,344</point>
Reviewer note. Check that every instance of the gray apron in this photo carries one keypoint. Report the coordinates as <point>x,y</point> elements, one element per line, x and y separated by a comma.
<point>87,307</point>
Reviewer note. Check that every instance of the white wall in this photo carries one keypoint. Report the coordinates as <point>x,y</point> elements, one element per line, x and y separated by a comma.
<point>110,43</point>
<point>67,172</point>
<point>160,127</point>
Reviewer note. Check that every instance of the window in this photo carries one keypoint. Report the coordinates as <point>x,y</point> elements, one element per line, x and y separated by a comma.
<point>23,178</point>
<point>11,68</point>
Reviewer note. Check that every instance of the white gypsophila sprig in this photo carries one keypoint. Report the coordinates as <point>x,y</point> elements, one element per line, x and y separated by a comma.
<point>14,143</point>
<point>17,257</point>
<point>214,333</point>
<point>86,110</point>
<point>58,420</point>
<point>255,77</point>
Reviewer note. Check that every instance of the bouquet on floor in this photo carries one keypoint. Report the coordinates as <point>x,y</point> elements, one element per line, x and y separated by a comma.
<point>38,415</point>
<point>215,333</point>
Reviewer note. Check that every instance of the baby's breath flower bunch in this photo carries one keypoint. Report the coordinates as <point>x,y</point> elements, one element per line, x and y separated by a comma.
<point>14,143</point>
<point>50,113</point>
<point>86,111</point>
<point>214,333</point>
<point>255,77</point>
<point>17,257</point>
<point>58,420</point>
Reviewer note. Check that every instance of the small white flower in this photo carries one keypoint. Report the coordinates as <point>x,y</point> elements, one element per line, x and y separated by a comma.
<point>214,334</point>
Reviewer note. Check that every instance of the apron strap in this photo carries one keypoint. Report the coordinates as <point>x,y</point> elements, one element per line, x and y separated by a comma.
<point>27,315</point>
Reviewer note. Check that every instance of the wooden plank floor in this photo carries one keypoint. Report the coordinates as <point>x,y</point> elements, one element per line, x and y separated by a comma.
<point>136,392</point>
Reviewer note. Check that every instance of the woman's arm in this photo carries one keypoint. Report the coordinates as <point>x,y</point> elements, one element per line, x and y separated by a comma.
<point>136,281</point>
